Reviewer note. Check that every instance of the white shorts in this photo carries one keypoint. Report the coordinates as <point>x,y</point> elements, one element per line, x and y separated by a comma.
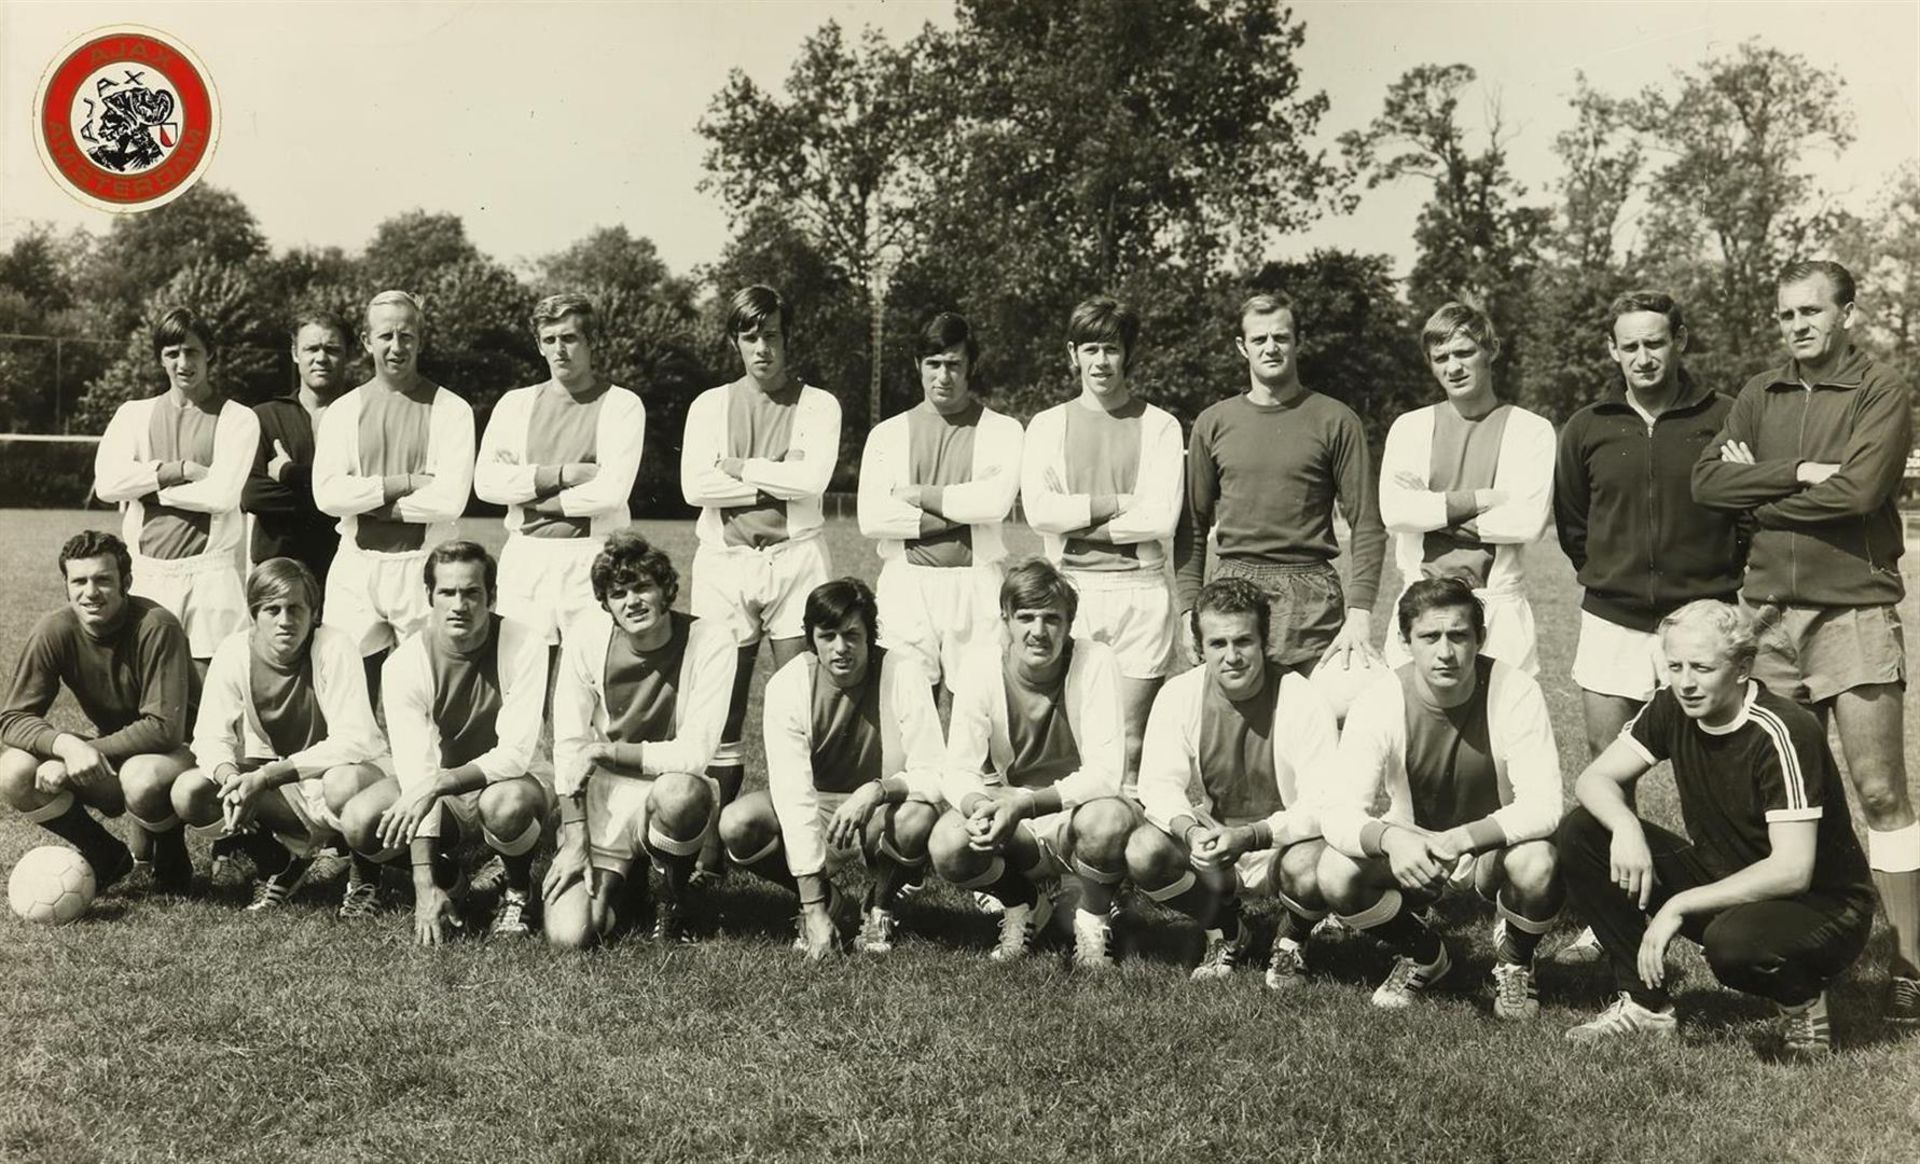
<point>758,592</point>
<point>825,805</point>
<point>937,613</point>
<point>1510,634</point>
<point>205,592</point>
<point>1617,660</point>
<point>546,583</point>
<point>1130,611</point>
<point>617,818</point>
<point>378,599</point>
<point>1053,834</point>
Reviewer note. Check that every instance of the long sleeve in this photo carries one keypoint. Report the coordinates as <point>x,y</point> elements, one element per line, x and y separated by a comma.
<point>786,715</point>
<point>1871,467</point>
<point>1723,484</point>
<point>923,748</point>
<point>35,685</point>
<point>883,465</point>
<point>117,473</point>
<point>575,698</point>
<point>523,692</point>
<point>620,437</point>
<point>1525,477</point>
<point>815,448</point>
<point>1532,759</point>
<point>1154,506</point>
<point>1368,745</point>
<point>989,496</point>
<point>337,488</point>
<point>1048,510</point>
<point>236,440</point>
<point>449,462</point>
<point>501,473</point>
<point>1572,492</point>
<point>1166,752</point>
<point>1305,735</point>
<point>406,692</point>
<point>1356,487</point>
<point>702,444</point>
<point>166,680</point>
<point>1410,450</point>
<point>702,703</point>
<point>340,683</point>
<point>1093,709</point>
<point>219,732</point>
<point>970,728</point>
<point>1203,494</point>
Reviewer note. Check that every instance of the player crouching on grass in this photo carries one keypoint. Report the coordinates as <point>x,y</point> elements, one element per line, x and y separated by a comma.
<point>638,710</point>
<point>1459,748</point>
<point>285,736</point>
<point>1247,736</point>
<point>1770,879</point>
<point>854,757</point>
<point>126,660</point>
<point>1034,756</point>
<point>463,701</point>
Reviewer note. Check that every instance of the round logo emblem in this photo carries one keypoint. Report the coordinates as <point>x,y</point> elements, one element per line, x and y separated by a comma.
<point>126,118</point>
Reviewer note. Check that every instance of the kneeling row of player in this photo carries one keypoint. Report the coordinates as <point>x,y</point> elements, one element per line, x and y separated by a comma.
<point>1447,773</point>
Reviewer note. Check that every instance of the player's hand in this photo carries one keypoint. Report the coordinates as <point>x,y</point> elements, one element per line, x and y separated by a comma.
<point>816,930</point>
<point>84,765</point>
<point>193,470</point>
<point>1737,453</point>
<point>1353,646</point>
<point>909,494</point>
<point>434,919</point>
<point>1413,863</point>
<point>1485,499</point>
<point>404,816</point>
<point>1221,845</point>
<point>1814,472</point>
<point>843,830</point>
<point>277,467</point>
<point>1408,480</point>
<point>1653,947</point>
<point>239,798</point>
<point>570,867</point>
<point>1630,865</point>
<point>995,817</point>
<point>578,472</point>
<point>1450,846</point>
<point>1050,477</point>
<point>731,466</point>
<point>598,754</point>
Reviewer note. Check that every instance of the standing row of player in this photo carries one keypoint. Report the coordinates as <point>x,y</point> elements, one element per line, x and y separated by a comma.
<point>1465,484</point>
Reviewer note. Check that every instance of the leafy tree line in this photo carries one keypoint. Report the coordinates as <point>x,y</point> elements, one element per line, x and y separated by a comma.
<point>1032,154</point>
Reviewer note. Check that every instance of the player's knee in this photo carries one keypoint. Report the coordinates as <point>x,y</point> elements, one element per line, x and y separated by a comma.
<point>148,787</point>
<point>911,823</point>
<point>507,808</point>
<point>1737,951</point>
<point>338,786</point>
<point>744,830</point>
<point>195,799</point>
<point>948,846</point>
<point>680,805</point>
<point>360,824</point>
<point>1340,880</point>
<point>1580,832</point>
<point>1153,860</point>
<point>1100,831</point>
<point>1299,867</point>
<point>17,778</point>
<point>1532,870</point>
<point>569,923</point>
<point>1882,790</point>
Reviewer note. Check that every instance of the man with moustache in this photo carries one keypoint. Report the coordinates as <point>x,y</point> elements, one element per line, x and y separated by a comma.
<point>279,490</point>
<point>562,457</point>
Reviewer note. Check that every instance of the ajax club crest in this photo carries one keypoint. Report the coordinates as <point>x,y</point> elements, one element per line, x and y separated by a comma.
<point>126,118</point>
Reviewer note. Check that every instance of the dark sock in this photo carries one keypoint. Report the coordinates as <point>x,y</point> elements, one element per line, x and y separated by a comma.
<point>1226,919</point>
<point>888,876</point>
<point>1520,944</point>
<point>172,868</point>
<point>365,868</point>
<point>1293,926</point>
<point>519,871</point>
<point>100,847</point>
<point>774,869</point>
<point>1014,888</point>
<point>1405,932</point>
<point>1651,997</point>
<point>270,857</point>
<point>445,870</point>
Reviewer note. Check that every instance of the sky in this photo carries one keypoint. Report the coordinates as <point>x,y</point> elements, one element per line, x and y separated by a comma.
<point>537,122</point>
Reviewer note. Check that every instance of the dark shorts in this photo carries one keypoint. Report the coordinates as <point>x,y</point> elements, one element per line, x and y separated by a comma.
<point>1308,606</point>
<point>1812,653</point>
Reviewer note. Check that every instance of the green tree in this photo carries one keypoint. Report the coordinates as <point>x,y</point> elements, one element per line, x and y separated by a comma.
<point>143,252</point>
<point>1883,252</point>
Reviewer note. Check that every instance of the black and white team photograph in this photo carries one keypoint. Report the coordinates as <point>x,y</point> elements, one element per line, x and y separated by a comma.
<point>824,580</point>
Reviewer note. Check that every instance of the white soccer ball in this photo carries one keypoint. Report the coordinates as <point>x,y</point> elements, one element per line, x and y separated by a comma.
<point>51,885</point>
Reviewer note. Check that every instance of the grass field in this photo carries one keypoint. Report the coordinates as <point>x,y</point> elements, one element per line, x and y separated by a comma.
<point>189,1030</point>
